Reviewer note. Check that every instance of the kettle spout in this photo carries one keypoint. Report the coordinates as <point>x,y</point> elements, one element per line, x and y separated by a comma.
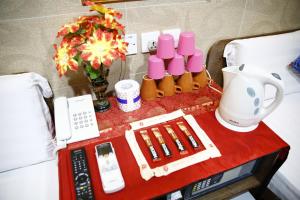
<point>229,73</point>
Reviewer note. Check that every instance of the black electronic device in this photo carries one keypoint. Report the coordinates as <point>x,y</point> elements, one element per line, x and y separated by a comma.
<point>220,180</point>
<point>81,175</point>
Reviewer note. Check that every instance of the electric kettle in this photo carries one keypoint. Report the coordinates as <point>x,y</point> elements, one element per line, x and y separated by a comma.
<point>241,107</point>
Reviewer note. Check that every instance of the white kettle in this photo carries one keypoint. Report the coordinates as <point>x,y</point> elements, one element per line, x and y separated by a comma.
<point>241,107</point>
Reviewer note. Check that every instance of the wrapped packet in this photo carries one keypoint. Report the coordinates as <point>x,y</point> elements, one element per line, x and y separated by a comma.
<point>161,141</point>
<point>150,146</point>
<point>176,140</point>
<point>191,139</point>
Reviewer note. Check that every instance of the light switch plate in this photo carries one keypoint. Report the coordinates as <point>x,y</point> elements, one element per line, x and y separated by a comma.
<point>148,37</point>
<point>132,43</point>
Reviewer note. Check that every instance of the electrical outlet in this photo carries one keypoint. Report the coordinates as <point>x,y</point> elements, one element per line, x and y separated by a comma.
<point>132,43</point>
<point>152,45</point>
<point>175,33</point>
<point>148,37</point>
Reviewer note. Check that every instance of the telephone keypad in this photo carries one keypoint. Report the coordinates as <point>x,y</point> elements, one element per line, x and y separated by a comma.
<point>82,119</point>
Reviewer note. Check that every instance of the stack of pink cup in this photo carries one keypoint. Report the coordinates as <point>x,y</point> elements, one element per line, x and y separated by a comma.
<point>169,62</point>
<point>175,59</point>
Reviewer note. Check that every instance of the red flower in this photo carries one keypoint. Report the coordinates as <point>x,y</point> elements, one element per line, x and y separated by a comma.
<point>93,40</point>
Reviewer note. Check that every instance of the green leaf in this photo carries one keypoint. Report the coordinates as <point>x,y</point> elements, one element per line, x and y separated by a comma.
<point>77,57</point>
<point>79,60</point>
<point>120,32</point>
<point>80,31</point>
<point>92,73</point>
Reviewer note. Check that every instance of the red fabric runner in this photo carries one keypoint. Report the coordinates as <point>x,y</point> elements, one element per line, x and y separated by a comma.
<point>236,148</point>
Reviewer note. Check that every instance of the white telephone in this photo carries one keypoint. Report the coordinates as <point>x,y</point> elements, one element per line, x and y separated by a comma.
<point>75,119</point>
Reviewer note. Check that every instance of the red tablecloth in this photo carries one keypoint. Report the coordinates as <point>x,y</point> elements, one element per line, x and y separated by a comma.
<point>236,148</point>
<point>192,102</point>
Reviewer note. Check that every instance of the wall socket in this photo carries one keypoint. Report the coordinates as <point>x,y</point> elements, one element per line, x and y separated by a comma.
<point>132,43</point>
<point>148,39</point>
<point>152,45</point>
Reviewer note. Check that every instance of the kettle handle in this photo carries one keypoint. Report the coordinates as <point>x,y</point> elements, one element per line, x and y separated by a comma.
<point>275,80</point>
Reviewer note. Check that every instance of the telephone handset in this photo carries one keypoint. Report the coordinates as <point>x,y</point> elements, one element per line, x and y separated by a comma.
<point>75,119</point>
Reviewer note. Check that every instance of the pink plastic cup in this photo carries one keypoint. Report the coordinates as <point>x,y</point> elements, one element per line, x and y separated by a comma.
<point>156,67</point>
<point>176,65</point>
<point>186,44</point>
<point>195,62</point>
<point>165,46</point>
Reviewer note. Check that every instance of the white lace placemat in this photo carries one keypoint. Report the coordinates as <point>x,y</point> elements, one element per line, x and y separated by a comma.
<point>211,151</point>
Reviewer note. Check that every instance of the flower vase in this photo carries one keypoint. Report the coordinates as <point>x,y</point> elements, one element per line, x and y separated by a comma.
<point>99,86</point>
<point>98,83</point>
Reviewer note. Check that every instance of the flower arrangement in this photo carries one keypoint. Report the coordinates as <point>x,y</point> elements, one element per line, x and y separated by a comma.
<point>92,42</point>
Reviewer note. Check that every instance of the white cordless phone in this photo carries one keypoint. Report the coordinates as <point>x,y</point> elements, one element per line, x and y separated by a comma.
<point>75,119</point>
<point>110,173</point>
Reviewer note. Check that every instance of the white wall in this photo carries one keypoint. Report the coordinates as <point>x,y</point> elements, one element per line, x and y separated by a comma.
<point>28,29</point>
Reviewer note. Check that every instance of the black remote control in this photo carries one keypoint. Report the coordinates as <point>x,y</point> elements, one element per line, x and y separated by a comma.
<point>82,180</point>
